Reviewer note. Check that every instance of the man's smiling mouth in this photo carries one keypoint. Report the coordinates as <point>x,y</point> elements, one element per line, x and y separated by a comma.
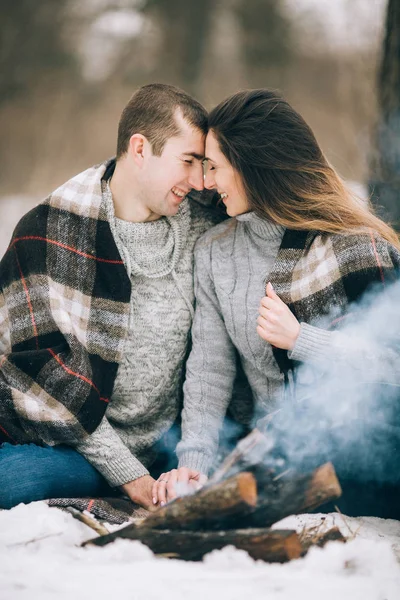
<point>178,192</point>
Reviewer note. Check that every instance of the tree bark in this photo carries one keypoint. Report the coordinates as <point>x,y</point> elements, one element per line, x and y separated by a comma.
<point>264,544</point>
<point>184,29</point>
<point>385,169</point>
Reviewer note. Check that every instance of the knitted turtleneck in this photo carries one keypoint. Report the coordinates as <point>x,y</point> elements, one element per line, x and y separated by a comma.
<point>153,248</point>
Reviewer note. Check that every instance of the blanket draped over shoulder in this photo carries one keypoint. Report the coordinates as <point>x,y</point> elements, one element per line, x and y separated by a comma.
<point>325,275</point>
<point>64,311</point>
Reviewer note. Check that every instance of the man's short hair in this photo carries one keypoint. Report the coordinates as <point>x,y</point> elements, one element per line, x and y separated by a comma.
<point>151,112</point>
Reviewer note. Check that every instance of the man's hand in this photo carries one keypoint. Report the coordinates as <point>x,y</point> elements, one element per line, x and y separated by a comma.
<point>276,323</point>
<point>140,491</point>
<point>177,483</point>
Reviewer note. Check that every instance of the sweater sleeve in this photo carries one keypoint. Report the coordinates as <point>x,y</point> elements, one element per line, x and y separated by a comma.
<point>105,451</point>
<point>312,344</point>
<point>210,373</point>
<point>354,348</point>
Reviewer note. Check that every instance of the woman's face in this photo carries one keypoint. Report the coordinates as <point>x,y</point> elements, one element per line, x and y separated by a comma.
<point>221,176</point>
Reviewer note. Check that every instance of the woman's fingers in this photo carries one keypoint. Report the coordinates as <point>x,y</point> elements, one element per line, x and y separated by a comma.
<point>202,479</point>
<point>175,483</point>
<point>154,492</point>
<point>198,481</point>
<point>268,314</point>
<point>160,489</point>
<point>276,323</point>
<point>171,485</point>
<point>270,292</point>
<point>267,302</point>
<point>264,334</point>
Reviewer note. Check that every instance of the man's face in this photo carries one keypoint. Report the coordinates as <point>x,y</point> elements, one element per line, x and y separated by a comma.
<point>167,179</point>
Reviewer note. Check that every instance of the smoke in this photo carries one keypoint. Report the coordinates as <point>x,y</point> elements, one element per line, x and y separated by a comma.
<point>347,406</point>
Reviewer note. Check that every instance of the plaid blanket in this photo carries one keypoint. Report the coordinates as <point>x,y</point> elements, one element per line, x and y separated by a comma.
<point>64,309</point>
<point>319,275</point>
<point>64,313</point>
<point>115,509</point>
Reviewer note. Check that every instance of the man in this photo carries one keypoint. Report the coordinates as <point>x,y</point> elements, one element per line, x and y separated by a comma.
<point>96,303</point>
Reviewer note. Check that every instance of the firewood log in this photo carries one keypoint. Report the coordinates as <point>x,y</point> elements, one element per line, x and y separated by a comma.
<point>291,494</point>
<point>264,544</point>
<point>208,506</point>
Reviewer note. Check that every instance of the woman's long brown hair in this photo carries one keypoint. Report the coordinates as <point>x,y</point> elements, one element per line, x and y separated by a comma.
<point>286,177</point>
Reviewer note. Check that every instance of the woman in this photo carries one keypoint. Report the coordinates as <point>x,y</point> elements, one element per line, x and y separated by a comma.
<point>300,247</point>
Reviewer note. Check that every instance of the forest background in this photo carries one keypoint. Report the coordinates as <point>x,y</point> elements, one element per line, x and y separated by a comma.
<point>68,68</point>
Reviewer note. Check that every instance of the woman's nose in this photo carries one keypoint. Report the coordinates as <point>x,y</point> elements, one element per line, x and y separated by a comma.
<point>196,180</point>
<point>209,180</point>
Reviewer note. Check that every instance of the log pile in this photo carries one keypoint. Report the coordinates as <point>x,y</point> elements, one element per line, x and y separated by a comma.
<point>237,508</point>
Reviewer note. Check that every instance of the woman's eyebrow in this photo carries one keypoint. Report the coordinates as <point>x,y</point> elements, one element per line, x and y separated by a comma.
<point>209,160</point>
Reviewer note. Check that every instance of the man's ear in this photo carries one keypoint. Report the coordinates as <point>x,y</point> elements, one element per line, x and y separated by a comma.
<point>139,148</point>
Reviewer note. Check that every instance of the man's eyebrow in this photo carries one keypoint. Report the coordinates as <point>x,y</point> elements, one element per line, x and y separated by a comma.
<point>195,155</point>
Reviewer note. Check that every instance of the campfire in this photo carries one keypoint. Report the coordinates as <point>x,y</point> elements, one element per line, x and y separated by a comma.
<point>237,507</point>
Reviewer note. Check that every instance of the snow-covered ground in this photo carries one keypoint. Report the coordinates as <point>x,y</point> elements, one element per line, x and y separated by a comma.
<point>41,558</point>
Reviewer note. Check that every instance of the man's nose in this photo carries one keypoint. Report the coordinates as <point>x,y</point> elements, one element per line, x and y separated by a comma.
<point>196,179</point>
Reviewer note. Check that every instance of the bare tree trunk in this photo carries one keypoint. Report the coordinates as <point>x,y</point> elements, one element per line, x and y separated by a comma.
<point>385,176</point>
<point>184,26</point>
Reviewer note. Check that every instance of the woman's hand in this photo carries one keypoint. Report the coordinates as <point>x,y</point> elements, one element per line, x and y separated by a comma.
<point>276,322</point>
<point>177,482</point>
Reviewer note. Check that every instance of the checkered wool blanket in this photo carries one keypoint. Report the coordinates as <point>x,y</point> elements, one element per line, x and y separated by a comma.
<point>116,509</point>
<point>64,309</point>
<point>320,275</point>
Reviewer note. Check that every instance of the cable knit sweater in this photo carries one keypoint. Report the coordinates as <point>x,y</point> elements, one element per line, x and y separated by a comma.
<point>145,402</point>
<point>232,262</point>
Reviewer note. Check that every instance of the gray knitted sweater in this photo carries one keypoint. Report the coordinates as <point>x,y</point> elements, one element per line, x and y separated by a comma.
<point>146,398</point>
<point>232,262</point>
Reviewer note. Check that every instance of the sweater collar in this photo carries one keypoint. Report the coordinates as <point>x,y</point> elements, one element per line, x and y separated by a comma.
<point>260,226</point>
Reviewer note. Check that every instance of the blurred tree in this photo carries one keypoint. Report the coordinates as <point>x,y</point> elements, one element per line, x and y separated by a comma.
<point>385,171</point>
<point>183,26</point>
<point>31,43</point>
<point>266,34</point>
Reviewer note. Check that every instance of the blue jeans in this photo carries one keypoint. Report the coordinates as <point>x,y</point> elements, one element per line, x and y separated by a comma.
<point>29,472</point>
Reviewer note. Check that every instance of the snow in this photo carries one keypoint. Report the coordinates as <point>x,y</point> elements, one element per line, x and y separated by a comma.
<point>41,557</point>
